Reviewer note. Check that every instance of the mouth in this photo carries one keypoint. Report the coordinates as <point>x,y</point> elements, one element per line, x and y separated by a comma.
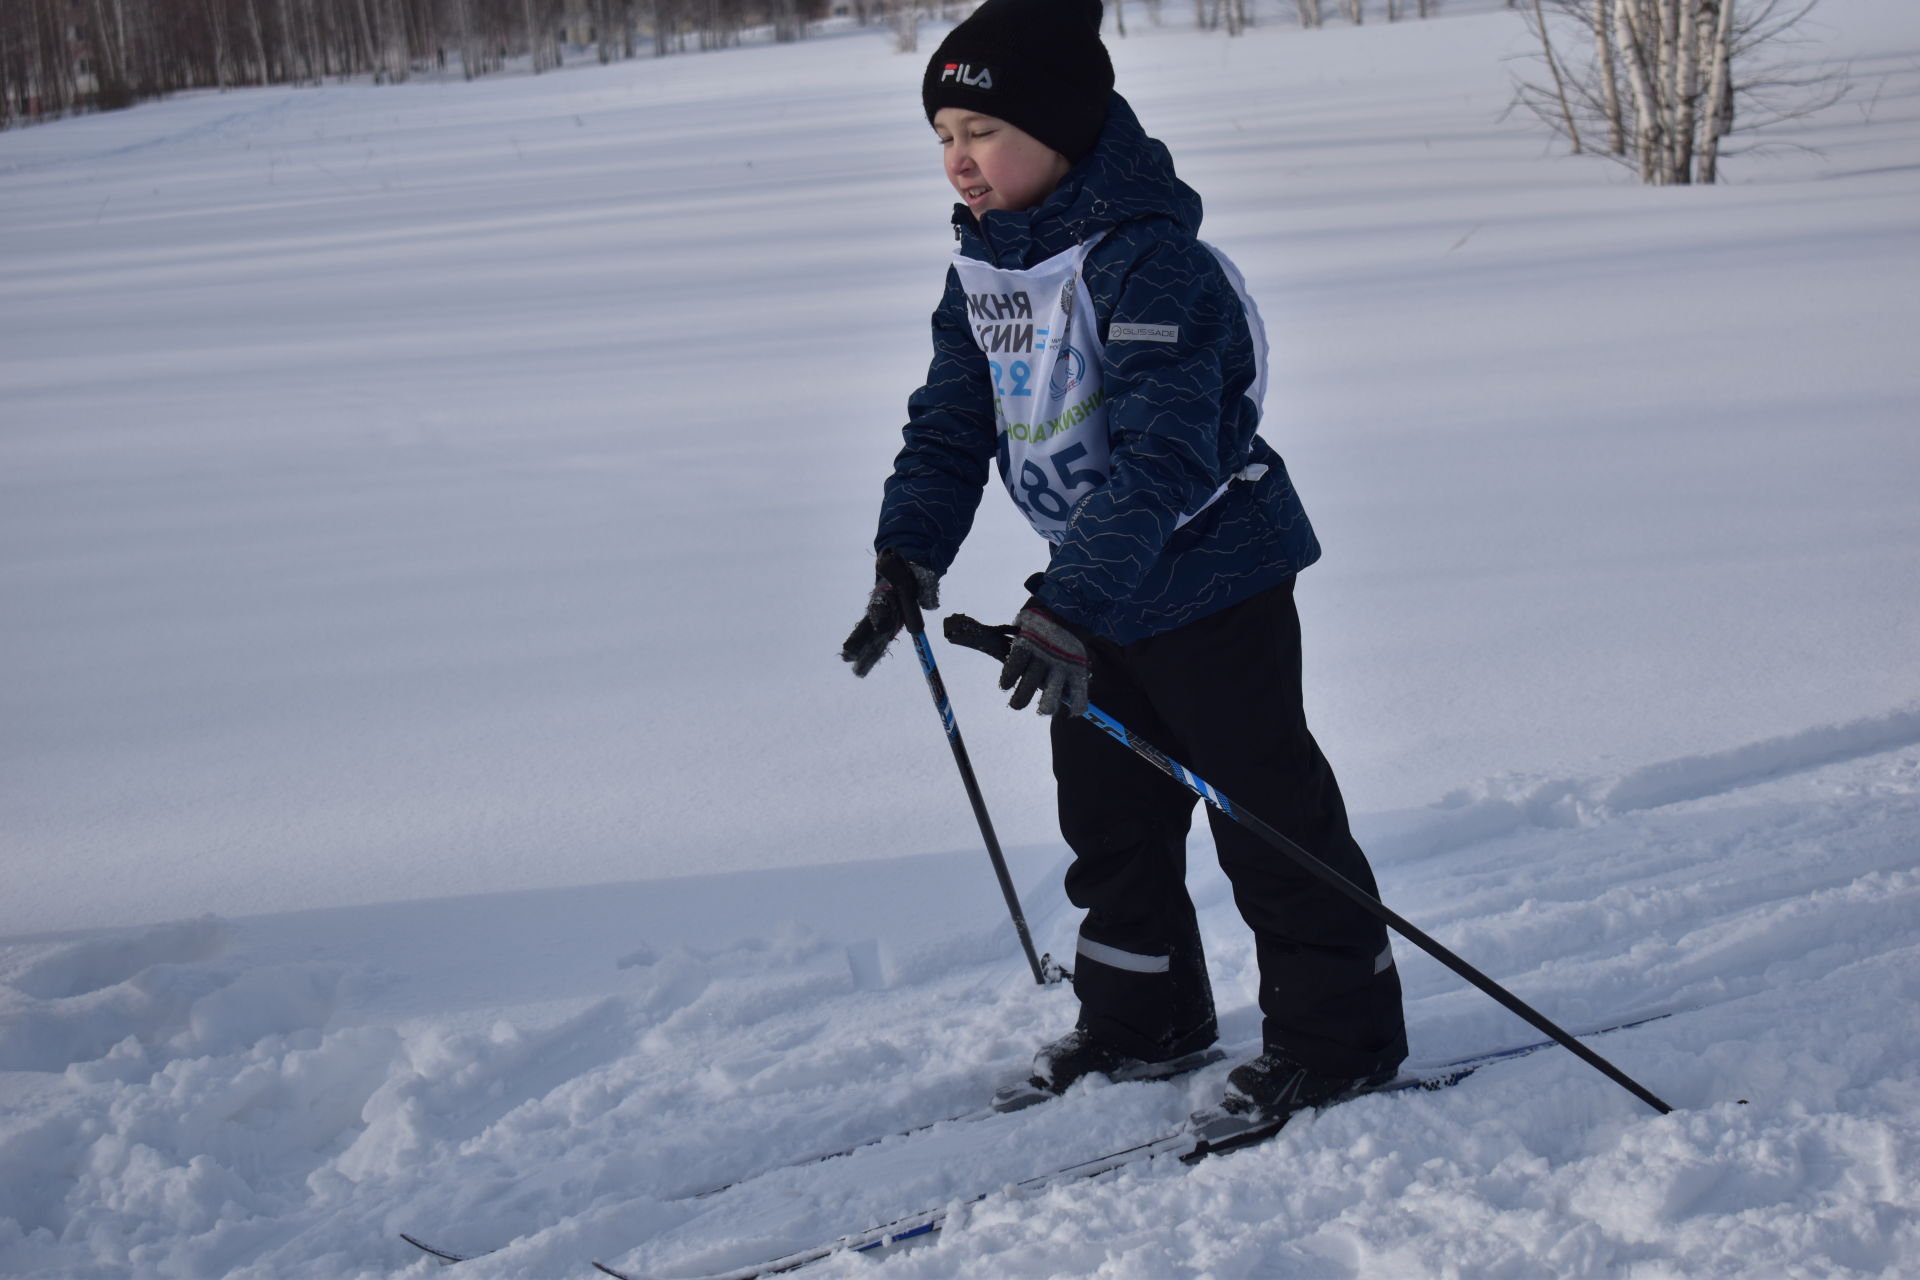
<point>973,195</point>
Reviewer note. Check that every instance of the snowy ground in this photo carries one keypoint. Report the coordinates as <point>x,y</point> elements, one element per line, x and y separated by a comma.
<point>429,800</point>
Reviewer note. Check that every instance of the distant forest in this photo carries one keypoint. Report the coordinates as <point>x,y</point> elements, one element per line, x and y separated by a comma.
<point>60,56</point>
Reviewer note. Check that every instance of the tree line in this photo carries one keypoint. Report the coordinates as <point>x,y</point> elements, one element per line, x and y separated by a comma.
<point>59,56</point>
<point>1656,84</point>
<point>1313,13</point>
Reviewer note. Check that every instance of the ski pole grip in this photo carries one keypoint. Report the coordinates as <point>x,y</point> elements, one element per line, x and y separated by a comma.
<point>906,589</point>
<point>995,642</point>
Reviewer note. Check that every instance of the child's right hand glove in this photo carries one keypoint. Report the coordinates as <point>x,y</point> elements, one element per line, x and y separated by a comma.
<point>1049,657</point>
<point>868,642</point>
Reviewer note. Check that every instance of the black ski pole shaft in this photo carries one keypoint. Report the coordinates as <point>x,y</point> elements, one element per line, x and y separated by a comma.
<point>967,632</point>
<point>900,574</point>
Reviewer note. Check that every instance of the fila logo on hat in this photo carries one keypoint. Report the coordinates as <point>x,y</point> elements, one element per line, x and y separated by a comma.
<point>980,79</point>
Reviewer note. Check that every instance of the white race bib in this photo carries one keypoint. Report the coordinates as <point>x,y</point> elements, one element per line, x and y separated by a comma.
<point>1037,329</point>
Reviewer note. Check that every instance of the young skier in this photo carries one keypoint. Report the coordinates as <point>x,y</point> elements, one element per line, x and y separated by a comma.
<point>1110,365</point>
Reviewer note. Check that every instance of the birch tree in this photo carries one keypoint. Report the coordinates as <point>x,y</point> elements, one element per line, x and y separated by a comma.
<point>1667,81</point>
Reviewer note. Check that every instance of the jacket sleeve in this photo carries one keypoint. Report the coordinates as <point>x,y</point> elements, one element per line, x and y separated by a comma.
<point>931,497</point>
<point>1170,445</point>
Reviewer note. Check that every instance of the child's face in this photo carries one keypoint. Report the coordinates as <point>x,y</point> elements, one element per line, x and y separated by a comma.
<point>994,165</point>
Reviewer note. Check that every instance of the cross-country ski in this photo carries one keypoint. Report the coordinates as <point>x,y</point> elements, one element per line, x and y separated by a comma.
<point>1207,1133</point>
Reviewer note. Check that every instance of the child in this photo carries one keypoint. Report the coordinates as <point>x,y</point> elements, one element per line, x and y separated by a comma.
<point>1110,365</point>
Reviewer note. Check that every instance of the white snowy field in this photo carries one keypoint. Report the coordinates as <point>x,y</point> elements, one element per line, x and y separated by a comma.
<point>430,801</point>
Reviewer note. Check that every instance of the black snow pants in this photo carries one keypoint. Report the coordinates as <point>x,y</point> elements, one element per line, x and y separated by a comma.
<point>1222,695</point>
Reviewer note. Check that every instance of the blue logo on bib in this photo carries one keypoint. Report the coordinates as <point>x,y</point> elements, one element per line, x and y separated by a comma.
<point>1067,372</point>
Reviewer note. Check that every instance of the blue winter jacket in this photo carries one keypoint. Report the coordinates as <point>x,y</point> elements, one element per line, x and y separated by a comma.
<point>1178,419</point>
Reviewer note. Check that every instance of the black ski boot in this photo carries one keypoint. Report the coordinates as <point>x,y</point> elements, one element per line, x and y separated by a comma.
<point>1273,1087</point>
<point>1075,1055</point>
<point>1062,1063</point>
<point>1262,1095</point>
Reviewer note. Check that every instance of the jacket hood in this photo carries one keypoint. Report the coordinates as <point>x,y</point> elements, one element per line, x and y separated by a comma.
<point>1128,176</point>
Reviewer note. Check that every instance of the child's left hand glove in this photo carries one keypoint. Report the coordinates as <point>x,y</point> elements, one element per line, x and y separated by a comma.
<point>883,619</point>
<point>1049,658</point>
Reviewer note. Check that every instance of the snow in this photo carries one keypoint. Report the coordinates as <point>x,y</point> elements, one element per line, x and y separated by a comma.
<point>429,799</point>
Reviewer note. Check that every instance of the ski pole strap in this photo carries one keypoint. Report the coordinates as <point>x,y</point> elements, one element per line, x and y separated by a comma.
<point>995,641</point>
<point>969,633</point>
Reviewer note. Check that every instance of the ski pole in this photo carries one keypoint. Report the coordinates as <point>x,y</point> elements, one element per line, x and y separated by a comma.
<point>996,641</point>
<point>906,590</point>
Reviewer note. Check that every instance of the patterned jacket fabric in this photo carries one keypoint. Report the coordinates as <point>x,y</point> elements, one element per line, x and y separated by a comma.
<point>1179,421</point>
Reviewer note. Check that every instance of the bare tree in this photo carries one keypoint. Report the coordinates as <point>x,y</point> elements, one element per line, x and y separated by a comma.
<point>1693,71</point>
<point>788,25</point>
<point>1559,83</point>
<point>903,17</point>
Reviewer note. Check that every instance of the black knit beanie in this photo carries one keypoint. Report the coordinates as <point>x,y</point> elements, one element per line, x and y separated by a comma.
<point>1037,64</point>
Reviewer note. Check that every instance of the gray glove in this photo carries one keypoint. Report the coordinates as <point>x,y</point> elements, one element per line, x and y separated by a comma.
<point>1048,657</point>
<point>868,642</point>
